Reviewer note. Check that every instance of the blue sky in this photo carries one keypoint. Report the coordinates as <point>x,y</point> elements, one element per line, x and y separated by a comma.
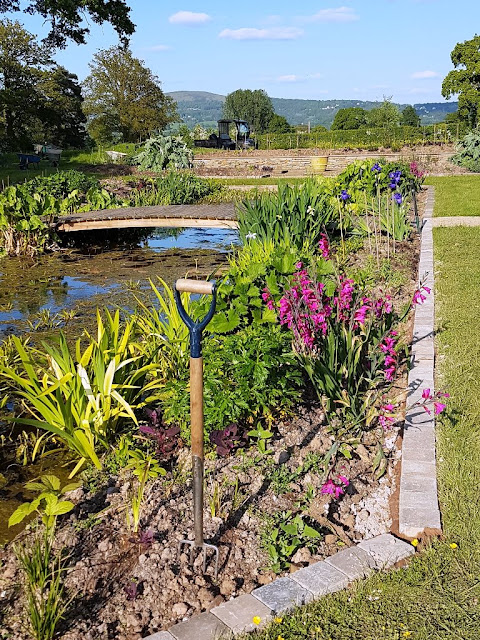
<point>349,49</point>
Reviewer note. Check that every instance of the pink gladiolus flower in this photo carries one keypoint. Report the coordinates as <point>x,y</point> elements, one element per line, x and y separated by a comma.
<point>345,481</point>
<point>270,305</point>
<point>438,407</point>
<point>298,265</point>
<point>324,246</point>
<point>426,395</point>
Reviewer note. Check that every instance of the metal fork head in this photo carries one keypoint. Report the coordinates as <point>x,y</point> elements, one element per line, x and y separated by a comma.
<point>204,549</point>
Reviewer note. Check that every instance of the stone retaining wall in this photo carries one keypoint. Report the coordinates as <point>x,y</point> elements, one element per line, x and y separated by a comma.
<point>302,165</point>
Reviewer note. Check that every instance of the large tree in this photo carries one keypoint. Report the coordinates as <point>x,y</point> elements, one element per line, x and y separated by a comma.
<point>386,115</point>
<point>67,17</point>
<point>349,118</point>
<point>39,100</point>
<point>123,98</point>
<point>253,106</point>
<point>22,61</point>
<point>410,117</point>
<point>60,108</point>
<point>279,124</point>
<point>464,80</point>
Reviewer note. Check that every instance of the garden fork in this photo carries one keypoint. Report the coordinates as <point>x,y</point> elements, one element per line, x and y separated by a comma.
<point>196,410</point>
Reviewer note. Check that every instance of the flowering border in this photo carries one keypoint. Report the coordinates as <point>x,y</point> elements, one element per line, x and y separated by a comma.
<point>418,509</point>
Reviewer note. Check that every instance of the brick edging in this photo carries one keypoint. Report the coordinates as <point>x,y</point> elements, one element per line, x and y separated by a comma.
<point>418,507</point>
<point>418,501</point>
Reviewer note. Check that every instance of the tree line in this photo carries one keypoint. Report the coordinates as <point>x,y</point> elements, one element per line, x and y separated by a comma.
<point>121,100</point>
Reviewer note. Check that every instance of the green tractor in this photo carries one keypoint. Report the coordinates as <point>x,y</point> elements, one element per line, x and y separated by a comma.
<point>224,141</point>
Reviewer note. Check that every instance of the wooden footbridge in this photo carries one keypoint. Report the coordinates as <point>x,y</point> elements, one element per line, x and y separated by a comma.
<point>214,216</point>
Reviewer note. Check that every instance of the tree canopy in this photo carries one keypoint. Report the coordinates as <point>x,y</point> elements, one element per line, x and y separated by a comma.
<point>387,115</point>
<point>279,124</point>
<point>123,98</point>
<point>253,106</point>
<point>349,118</point>
<point>410,117</point>
<point>67,17</point>
<point>40,101</point>
<point>464,80</point>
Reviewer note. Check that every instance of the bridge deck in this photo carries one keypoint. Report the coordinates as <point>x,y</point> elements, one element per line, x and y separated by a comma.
<point>219,216</point>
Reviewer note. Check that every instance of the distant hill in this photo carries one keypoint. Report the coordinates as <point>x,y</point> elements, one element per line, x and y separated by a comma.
<point>206,108</point>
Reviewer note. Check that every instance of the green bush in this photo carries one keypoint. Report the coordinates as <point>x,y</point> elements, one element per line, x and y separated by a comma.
<point>248,375</point>
<point>61,184</point>
<point>174,188</point>
<point>164,152</point>
<point>468,152</point>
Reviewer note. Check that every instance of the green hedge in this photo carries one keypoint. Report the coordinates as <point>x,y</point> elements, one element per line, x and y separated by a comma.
<point>370,139</point>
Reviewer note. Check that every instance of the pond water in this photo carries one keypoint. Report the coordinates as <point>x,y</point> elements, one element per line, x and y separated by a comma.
<point>35,294</point>
<point>82,279</point>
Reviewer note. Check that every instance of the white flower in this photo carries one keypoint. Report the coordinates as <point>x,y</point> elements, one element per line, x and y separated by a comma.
<point>310,210</point>
<point>251,236</point>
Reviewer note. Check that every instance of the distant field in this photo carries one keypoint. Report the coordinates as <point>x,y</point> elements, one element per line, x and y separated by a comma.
<point>456,195</point>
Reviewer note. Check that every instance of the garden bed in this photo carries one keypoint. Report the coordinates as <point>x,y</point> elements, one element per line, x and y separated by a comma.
<point>126,587</point>
<point>305,378</point>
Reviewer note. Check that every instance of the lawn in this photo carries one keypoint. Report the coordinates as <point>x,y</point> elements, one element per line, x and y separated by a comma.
<point>437,596</point>
<point>456,195</point>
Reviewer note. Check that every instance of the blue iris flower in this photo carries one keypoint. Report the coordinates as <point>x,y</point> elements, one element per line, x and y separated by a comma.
<point>344,195</point>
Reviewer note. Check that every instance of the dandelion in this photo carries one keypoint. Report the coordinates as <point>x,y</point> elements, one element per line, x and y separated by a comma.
<point>453,545</point>
<point>407,634</point>
<point>256,620</point>
<point>414,542</point>
<point>278,620</point>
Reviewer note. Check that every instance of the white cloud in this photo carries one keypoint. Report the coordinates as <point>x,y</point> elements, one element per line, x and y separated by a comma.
<point>274,33</point>
<point>289,78</point>
<point>295,78</point>
<point>339,14</point>
<point>189,18</point>
<point>420,75</point>
<point>158,47</point>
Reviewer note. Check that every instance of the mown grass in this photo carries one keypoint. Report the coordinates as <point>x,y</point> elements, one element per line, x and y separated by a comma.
<point>456,195</point>
<point>437,596</point>
<point>87,161</point>
<point>256,182</point>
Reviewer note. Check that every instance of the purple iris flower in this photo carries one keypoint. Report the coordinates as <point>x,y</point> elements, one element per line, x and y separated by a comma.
<point>376,167</point>
<point>398,198</point>
<point>344,195</point>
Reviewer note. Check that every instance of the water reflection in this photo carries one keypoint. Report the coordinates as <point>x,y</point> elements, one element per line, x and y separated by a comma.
<point>84,278</point>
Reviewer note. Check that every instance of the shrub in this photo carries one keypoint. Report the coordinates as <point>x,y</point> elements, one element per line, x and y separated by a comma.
<point>61,184</point>
<point>468,151</point>
<point>248,375</point>
<point>174,188</point>
<point>164,152</point>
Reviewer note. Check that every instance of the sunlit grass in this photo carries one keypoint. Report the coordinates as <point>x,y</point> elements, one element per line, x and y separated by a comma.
<point>456,195</point>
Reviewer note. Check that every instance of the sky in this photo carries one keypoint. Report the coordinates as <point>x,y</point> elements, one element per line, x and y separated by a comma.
<point>351,49</point>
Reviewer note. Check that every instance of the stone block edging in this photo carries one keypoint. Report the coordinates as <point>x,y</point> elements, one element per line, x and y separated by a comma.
<point>418,500</point>
<point>284,594</point>
<point>418,508</point>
